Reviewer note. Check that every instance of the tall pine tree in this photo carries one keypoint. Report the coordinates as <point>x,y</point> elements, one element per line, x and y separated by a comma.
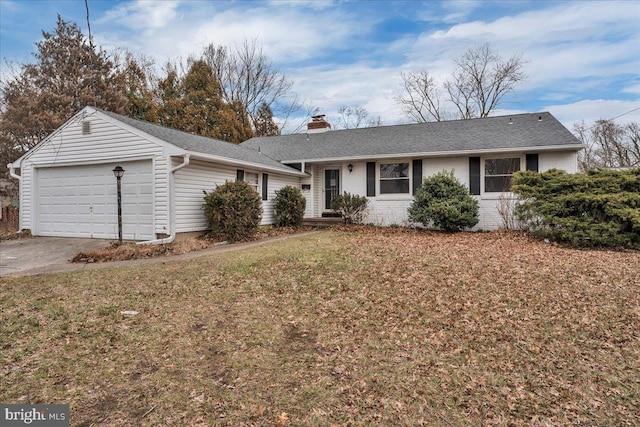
<point>67,74</point>
<point>194,104</point>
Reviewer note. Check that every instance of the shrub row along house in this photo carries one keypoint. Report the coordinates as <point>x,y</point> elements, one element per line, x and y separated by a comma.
<point>67,187</point>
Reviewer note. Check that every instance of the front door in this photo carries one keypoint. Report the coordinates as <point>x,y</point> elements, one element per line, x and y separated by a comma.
<point>331,186</point>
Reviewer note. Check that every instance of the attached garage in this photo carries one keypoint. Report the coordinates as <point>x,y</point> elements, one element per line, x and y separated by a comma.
<point>81,201</point>
<point>67,186</point>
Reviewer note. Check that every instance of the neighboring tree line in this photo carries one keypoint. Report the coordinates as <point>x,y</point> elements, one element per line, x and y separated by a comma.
<point>228,94</point>
<point>609,144</point>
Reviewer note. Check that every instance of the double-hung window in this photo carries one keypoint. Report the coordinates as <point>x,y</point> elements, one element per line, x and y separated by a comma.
<point>498,173</point>
<point>394,178</point>
<point>251,179</point>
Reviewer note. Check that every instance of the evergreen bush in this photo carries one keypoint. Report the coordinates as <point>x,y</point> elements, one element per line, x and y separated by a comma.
<point>443,202</point>
<point>288,206</point>
<point>594,208</point>
<point>352,207</point>
<point>233,211</point>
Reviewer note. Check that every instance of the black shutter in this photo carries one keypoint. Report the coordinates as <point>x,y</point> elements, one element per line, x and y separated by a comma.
<point>371,179</point>
<point>417,175</point>
<point>532,162</point>
<point>474,175</point>
<point>265,186</point>
<point>239,175</point>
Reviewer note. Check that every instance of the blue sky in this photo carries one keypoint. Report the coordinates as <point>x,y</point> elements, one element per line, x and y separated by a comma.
<point>583,58</point>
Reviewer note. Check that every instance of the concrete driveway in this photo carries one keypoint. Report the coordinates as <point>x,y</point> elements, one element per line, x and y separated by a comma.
<point>36,255</point>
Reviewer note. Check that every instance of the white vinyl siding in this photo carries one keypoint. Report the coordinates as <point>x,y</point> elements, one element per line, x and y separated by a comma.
<point>275,183</point>
<point>318,186</point>
<point>189,184</point>
<point>161,199</point>
<point>308,194</point>
<point>190,181</point>
<point>107,143</point>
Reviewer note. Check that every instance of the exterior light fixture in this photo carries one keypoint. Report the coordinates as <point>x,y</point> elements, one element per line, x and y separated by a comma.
<point>350,167</point>
<point>118,172</point>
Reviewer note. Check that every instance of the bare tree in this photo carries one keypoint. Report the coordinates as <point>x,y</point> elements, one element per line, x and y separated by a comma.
<point>422,98</point>
<point>608,144</point>
<point>310,111</point>
<point>247,76</point>
<point>476,87</point>
<point>356,117</point>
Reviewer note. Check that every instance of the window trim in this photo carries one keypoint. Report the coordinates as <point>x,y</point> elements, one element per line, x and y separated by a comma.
<point>257,182</point>
<point>409,177</point>
<point>483,160</point>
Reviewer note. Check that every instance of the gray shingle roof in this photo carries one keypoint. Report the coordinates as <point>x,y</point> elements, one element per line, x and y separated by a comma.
<point>492,133</point>
<point>201,144</point>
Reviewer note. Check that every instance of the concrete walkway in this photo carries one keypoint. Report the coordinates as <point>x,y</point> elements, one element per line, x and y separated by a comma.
<point>41,255</point>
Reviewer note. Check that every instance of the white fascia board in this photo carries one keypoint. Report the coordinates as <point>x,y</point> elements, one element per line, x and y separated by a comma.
<point>243,164</point>
<point>573,147</point>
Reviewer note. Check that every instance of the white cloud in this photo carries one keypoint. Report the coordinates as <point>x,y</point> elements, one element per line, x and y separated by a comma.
<point>580,40</point>
<point>143,14</point>
<point>178,30</point>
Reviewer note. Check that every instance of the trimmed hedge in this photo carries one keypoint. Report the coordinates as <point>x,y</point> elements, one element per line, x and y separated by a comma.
<point>442,201</point>
<point>233,211</point>
<point>288,206</point>
<point>595,208</point>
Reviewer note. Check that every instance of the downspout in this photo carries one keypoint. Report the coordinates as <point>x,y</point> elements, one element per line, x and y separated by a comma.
<point>172,236</point>
<point>12,174</point>
<point>185,162</point>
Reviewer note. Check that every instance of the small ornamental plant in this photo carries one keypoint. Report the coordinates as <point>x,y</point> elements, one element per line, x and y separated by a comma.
<point>352,207</point>
<point>443,202</point>
<point>288,206</point>
<point>233,211</point>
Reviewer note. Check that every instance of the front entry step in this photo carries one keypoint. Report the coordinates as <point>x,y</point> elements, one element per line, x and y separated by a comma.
<point>322,222</point>
<point>331,215</point>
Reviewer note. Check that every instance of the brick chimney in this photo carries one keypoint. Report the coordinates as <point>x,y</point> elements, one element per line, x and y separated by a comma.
<point>318,124</point>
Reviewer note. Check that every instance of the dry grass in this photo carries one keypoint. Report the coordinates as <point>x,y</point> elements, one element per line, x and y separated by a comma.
<point>129,251</point>
<point>367,327</point>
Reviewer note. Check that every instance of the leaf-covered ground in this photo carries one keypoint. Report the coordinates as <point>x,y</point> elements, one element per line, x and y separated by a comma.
<point>130,250</point>
<point>363,327</point>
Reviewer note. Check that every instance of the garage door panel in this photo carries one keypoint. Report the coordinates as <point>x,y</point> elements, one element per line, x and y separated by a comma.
<point>81,201</point>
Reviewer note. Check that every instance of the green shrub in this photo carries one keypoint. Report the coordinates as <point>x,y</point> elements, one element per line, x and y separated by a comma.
<point>352,207</point>
<point>595,208</point>
<point>445,203</point>
<point>233,211</point>
<point>288,206</point>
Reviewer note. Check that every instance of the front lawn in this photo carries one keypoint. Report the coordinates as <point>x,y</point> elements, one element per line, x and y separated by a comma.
<point>363,327</point>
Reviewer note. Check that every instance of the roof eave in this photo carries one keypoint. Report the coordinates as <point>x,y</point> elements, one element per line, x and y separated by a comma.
<point>572,147</point>
<point>245,164</point>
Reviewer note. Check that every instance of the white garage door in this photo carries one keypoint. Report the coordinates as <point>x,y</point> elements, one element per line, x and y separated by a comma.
<point>81,201</point>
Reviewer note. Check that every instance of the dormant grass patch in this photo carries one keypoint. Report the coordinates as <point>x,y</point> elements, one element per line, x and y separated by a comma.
<point>131,250</point>
<point>361,326</point>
